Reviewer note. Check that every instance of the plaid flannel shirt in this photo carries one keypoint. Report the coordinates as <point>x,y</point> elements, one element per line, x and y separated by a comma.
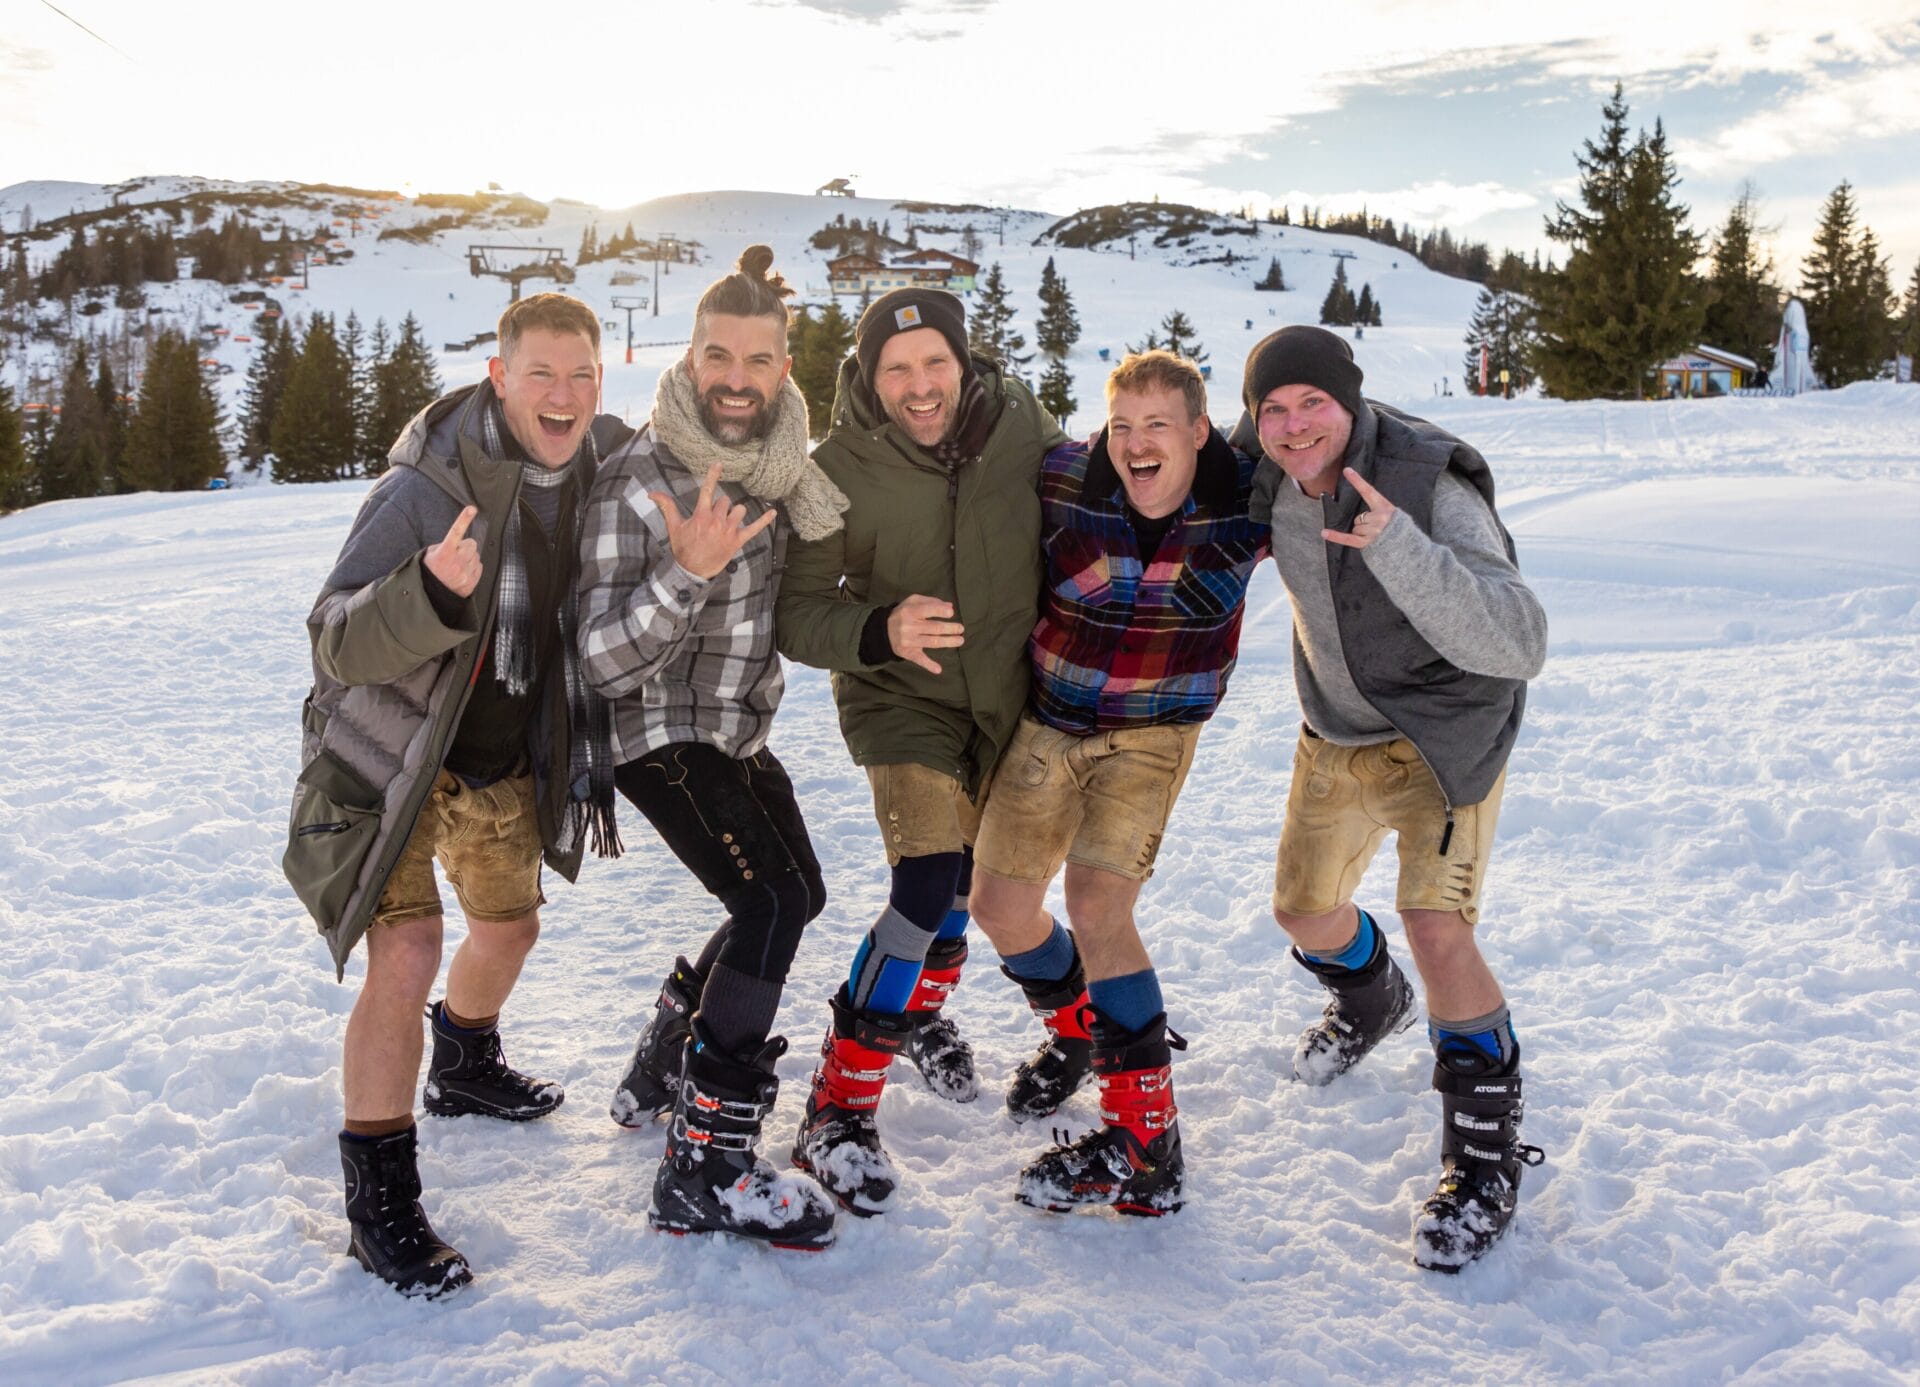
<point>686,659</point>
<point>1127,643</point>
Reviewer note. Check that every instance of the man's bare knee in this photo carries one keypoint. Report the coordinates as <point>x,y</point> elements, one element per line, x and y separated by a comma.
<point>1439,936</point>
<point>509,937</point>
<point>404,957</point>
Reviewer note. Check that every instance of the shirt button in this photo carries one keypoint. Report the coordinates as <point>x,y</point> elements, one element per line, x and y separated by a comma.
<point>684,594</point>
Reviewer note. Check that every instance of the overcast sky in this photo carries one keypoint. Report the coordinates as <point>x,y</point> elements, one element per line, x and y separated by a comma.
<point>1469,121</point>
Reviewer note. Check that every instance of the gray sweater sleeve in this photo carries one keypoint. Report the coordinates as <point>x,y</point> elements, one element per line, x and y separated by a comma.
<point>1459,589</point>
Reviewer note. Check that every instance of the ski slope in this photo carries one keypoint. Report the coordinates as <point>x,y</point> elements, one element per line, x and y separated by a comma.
<point>1704,903</point>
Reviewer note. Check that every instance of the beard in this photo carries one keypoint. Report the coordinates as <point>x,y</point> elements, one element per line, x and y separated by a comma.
<point>950,417</point>
<point>733,432</point>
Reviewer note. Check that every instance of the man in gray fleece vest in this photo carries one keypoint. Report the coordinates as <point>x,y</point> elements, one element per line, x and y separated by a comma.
<point>1414,636</point>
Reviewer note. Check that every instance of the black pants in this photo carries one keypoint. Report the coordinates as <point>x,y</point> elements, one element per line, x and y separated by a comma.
<point>737,827</point>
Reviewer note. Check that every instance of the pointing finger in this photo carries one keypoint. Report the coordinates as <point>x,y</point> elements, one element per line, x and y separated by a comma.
<point>458,530</point>
<point>707,486</point>
<point>1366,489</point>
<point>757,526</point>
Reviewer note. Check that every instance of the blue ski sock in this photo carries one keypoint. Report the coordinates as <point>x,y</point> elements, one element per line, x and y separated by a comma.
<point>1049,962</point>
<point>955,924</point>
<point>887,965</point>
<point>1130,1001</point>
<point>1485,1040</point>
<point>1356,954</point>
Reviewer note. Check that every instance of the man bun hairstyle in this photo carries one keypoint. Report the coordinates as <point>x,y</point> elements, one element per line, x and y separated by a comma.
<point>552,312</point>
<point>1160,370</point>
<point>749,292</point>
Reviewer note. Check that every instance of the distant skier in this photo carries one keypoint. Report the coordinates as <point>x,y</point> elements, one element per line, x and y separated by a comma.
<point>921,605</point>
<point>1149,549</point>
<point>686,532</point>
<point>1414,636</point>
<point>448,720</point>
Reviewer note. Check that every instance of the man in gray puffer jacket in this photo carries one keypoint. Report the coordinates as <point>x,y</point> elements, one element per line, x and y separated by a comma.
<point>1414,636</point>
<point>448,720</point>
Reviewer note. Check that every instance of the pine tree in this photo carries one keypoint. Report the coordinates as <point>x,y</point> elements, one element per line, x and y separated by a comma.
<point>1182,338</point>
<point>1274,281</point>
<point>1337,309</point>
<point>589,246</point>
<point>990,325</point>
<point>1059,325</point>
<point>1503,323</point>
<point>360,380</point>
<point>1626,299</point>
<point>1743,307</point>
<point>403,385</point>
<point>313,428</point>
<point>1846,288</point>
<point>267,377</point>
<point>1365,311</point>
<point>819,345</point>
<point>15,478</point>
<point>1909,342</point>
<point>75,462</point>
<point>173,441</point>
<point>1055,391</point>
<point>113,426</point>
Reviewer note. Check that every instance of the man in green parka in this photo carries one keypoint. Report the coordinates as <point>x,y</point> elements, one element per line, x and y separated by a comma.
<point>921,605</point>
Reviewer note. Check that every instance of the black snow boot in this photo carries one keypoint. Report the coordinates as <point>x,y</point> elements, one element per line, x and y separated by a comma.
<point>711,1178</point>
<point>839,1140</point>
<point>1132,1163</point>
<point>937,1050</point>
<point>1064,1060</point>
<point>469,1074</point>
<point>1482,1156</point>
<point>1369,1003</point>
<point>653,1074</point>
<point>390,1234</point>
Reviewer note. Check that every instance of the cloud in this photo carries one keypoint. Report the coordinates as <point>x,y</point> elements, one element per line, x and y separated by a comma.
<point>1827,111</point>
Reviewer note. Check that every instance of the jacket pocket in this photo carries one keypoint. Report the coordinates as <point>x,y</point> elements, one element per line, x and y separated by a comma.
<point>335,821</point>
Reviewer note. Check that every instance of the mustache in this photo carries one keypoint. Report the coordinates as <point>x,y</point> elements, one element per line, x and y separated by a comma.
<point>720,392</point>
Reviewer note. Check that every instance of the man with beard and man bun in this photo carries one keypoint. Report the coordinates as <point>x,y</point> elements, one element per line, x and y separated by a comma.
<point>1149,549</point>
<point>921,606</point>
<point>686,532</point>
<point>1414,636</point>
<point>448,720</point>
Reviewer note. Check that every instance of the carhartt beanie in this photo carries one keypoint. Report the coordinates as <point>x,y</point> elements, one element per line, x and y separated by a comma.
<point>1302,355</point>
<point>903,310</point>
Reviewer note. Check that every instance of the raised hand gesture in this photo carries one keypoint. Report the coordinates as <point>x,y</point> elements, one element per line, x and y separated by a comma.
<point>919,624</point>
<point>706,541</point>
<point>455,560</point>
<point>1367,525</point>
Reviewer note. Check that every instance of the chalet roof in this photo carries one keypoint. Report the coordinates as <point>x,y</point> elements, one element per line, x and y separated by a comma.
<point>1715,354</point>
<point>849,263</point>
<point>960,265</point>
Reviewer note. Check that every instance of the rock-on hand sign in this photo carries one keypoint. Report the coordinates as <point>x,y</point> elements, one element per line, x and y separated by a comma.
<point>455,560</point>
<point>706,541</point>
<point>919,624</point>
<point>1367,525</point>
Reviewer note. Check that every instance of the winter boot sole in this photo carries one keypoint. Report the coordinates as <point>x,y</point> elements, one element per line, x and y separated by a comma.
<point>461,1276</point>
<point>687,1230</point>
<point>444,1104</point>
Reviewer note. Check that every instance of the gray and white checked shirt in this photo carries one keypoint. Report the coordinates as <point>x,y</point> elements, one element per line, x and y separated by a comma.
<point>685,659</point>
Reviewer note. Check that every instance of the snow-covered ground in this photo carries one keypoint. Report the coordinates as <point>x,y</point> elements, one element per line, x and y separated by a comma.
<point>1704,903</point>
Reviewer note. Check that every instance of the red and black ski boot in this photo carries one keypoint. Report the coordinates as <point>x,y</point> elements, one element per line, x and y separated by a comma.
<point>653,1074</point>
<point>711,1179</point>
<point>470,1074</point>
<point>390,1235</point>
<point>1482,1157</point>
<point>1065,1060</point>
<point>839,1140</point>
<point>944,1060</point>
<point>1133,1163</point>
<point>1368,1004</point>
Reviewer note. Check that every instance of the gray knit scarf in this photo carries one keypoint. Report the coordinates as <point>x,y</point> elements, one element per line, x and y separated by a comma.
<point>590,718</point>
<point>779,467</point>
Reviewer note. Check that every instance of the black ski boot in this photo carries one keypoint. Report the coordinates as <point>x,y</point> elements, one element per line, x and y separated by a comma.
<point>653,1074</point>
<point>390,1234</point>
<point>1482,1156</point>
<point>1369,1003</point>
<point>839,1140</point>
<point>1133,1163</point>
<point>469,1074</point>
<point>1065,1061</point>
<point>944,1060</point>
<point>711,1178</point>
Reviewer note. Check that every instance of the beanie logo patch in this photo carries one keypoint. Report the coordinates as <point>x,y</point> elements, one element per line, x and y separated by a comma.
<point>904,318</point>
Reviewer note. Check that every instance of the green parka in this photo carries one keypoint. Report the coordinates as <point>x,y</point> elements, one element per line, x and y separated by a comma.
<point>969,534</point>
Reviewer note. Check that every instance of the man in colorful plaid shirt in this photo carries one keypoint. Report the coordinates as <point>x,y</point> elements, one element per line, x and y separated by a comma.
<point>1149,548</point>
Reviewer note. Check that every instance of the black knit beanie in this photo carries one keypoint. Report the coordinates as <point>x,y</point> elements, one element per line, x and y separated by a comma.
<point>1302,355</point>
<point>903,310</point>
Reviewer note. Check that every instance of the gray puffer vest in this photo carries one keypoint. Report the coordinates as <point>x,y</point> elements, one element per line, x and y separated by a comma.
<point>1463,724</point>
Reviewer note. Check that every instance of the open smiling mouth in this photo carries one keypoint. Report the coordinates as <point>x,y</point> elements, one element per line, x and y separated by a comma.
<point>557,425</point>
<point>1146,469</point>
